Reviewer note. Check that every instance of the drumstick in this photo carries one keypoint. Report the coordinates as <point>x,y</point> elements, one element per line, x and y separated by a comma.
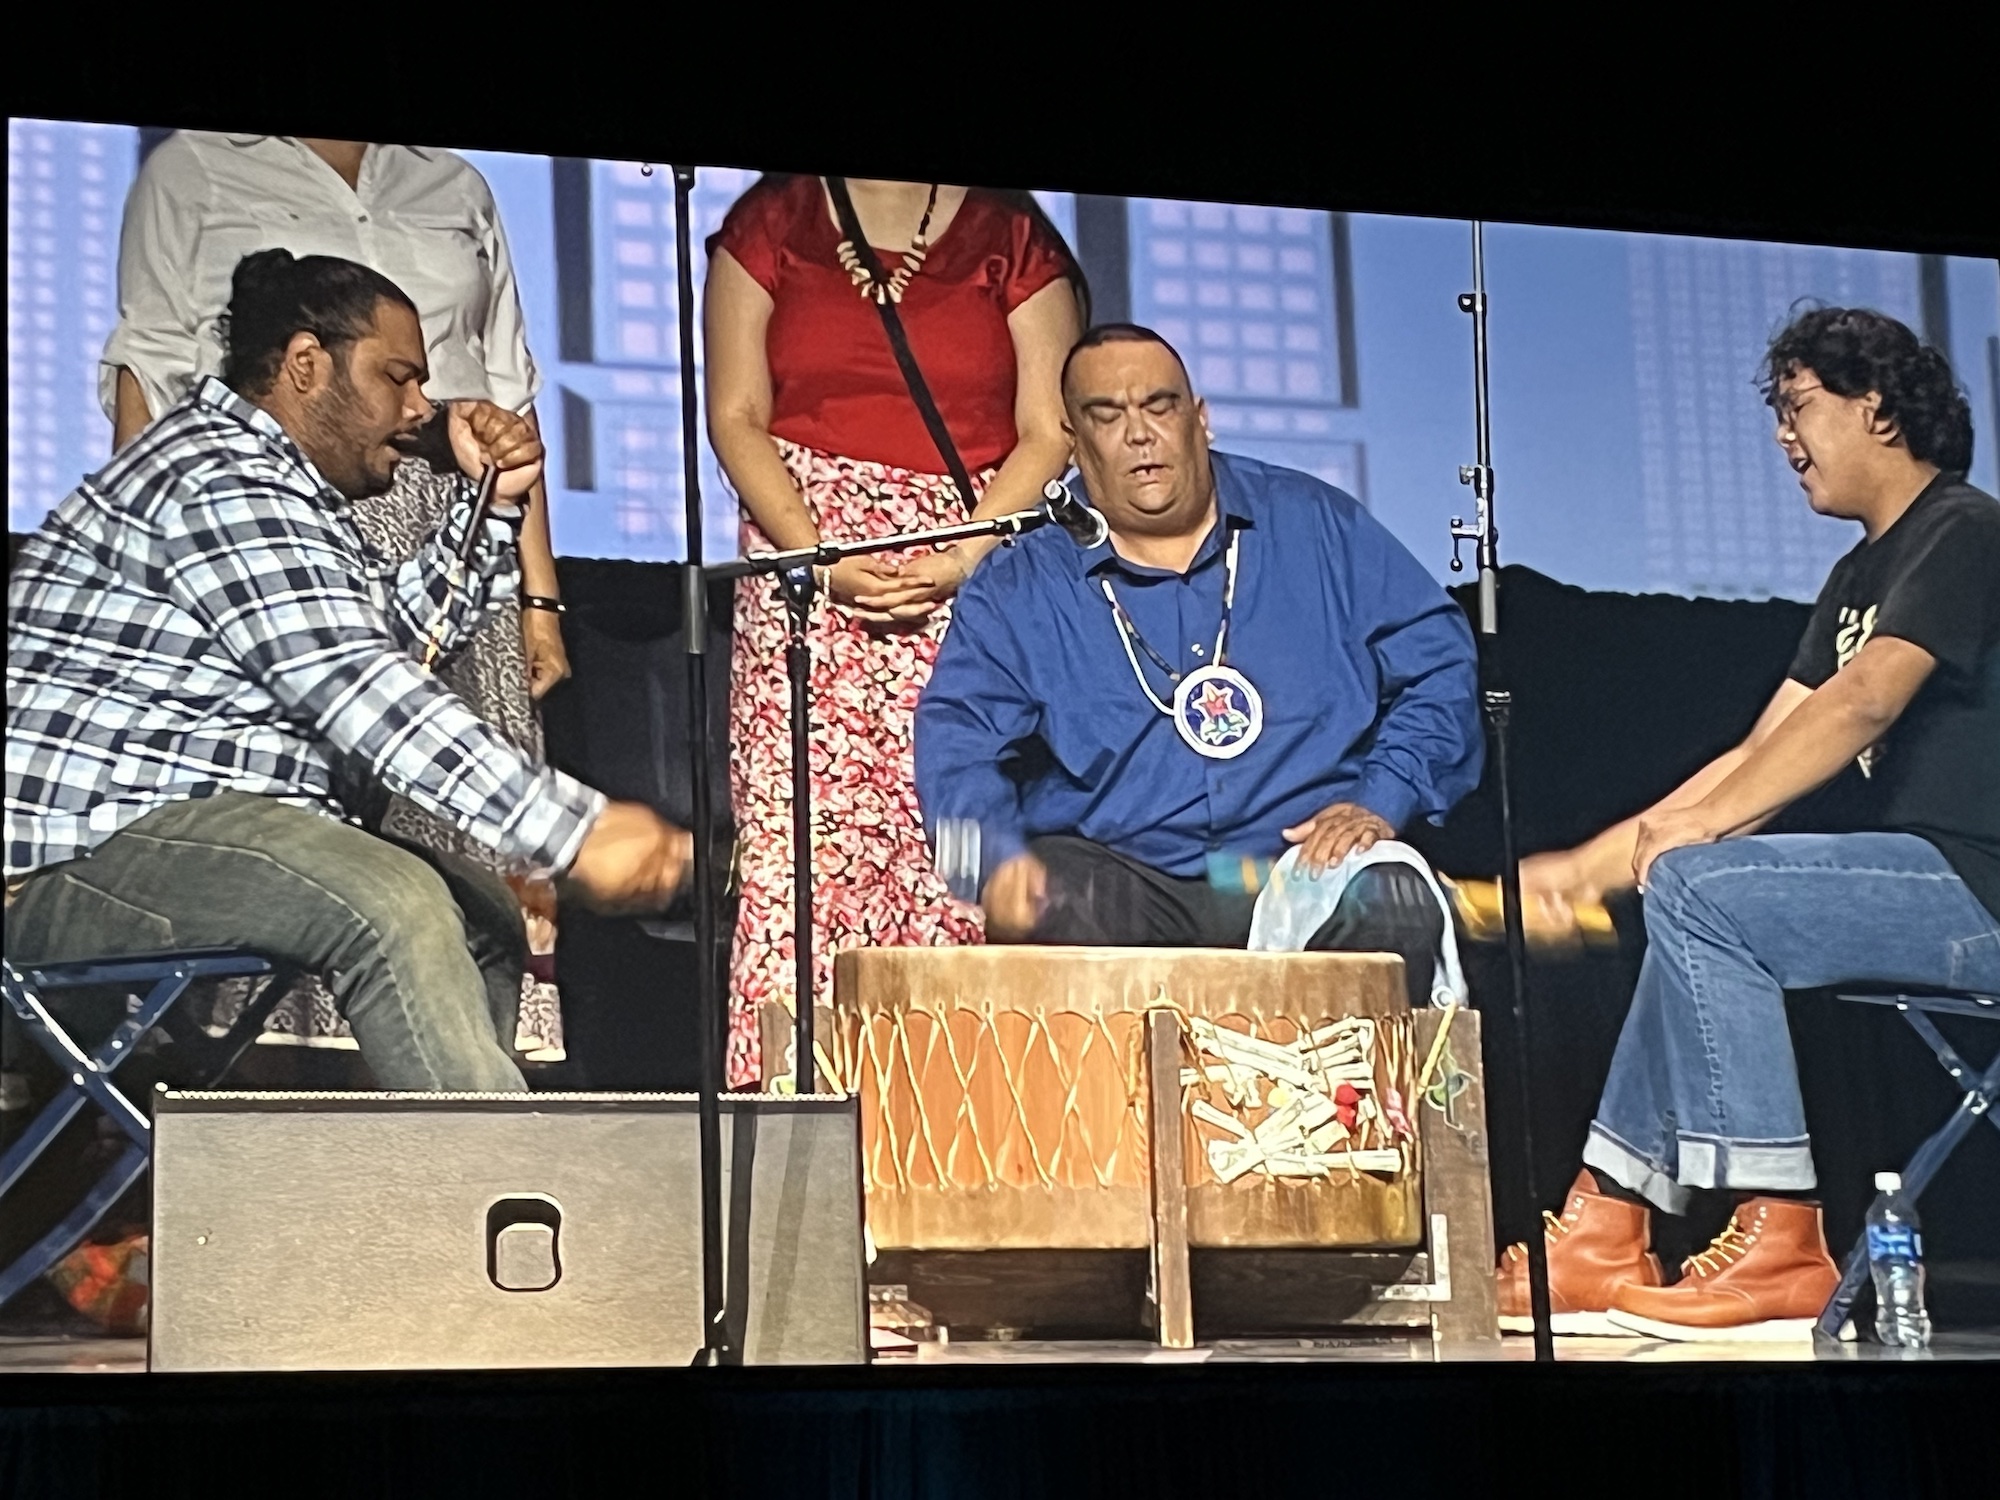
<point>1478,903</point>
<point>489,477</point>
<point>1238,874</point>
<point>956,856</point>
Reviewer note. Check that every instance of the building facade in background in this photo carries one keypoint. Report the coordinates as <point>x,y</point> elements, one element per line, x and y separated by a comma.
<point>66,188</point>
<point>1326,342</point>
<point>1723,512</point>
<point>617,375</point>
<point>1259,302</point>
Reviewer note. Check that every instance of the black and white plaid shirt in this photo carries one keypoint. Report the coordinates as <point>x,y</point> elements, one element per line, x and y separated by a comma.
<point>202,615</point>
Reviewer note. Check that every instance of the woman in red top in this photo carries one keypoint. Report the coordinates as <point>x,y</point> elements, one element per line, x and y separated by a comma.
<point>820,437</point>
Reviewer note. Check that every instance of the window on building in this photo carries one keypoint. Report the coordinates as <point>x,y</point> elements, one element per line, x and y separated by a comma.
<point>1258,303</point>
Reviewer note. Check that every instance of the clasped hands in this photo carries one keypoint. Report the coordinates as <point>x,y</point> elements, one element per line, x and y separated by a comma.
<point>887,590</point>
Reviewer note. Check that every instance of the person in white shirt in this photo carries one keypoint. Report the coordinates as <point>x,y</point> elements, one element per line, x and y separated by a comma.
<point>427,220</point>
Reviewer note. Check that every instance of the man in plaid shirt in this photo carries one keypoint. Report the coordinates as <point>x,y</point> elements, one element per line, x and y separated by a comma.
<point>204,660</point>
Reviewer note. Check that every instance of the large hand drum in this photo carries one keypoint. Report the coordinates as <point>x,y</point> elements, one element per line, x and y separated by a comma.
<point>1004,1095</point>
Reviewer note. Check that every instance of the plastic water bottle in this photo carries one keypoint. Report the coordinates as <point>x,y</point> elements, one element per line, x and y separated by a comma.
<point>1896,1258</point>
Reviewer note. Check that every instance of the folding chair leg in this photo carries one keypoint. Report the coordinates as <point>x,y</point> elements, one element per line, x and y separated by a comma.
<point>58,1242</point>
<point>1930,1157</point>
<point>32,1142</point>
<point>89,1076</point>
<point>1853,1272</point>
<point>90,1073</point>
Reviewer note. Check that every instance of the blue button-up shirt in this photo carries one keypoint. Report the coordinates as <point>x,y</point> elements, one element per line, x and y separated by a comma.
<point>1033,722</point>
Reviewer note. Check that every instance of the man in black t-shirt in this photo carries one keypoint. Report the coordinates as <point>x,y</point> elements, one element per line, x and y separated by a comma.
<point>1898,673</point>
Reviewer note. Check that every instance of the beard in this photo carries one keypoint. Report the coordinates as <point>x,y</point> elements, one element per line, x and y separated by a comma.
<point>341,441</point>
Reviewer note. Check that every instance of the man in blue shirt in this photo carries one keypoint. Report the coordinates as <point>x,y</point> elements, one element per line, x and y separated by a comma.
<point>1248,661</point>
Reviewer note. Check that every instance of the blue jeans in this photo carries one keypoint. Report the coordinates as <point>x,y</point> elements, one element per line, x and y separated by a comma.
<point>423,951</point>
<point>1704,1089</point>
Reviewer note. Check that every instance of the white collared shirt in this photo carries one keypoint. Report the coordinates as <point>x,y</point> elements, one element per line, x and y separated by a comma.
<point>424,218</point>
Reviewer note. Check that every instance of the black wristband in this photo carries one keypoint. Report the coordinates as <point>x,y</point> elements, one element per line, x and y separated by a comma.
<point>543,601</point>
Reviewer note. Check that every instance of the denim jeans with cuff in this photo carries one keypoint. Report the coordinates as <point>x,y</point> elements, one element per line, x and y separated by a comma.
<point>1704,1087</point>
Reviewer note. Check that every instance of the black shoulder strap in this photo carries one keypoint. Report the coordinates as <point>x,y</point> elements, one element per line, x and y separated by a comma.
<point>899,341</point>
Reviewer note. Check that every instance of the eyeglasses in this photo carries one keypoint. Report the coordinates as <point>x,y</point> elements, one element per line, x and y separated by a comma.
<point>1786,404</point>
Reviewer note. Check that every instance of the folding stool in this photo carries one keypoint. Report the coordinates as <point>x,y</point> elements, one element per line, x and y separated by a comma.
<point>1982,1090</point>
<point>156,982</point>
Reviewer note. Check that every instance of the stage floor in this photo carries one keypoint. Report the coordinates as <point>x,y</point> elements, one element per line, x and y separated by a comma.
<point>50,1354</point>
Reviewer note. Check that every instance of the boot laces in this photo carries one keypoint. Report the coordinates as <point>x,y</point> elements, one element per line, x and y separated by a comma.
<point>1554,1227</point>
<point>1727,1247</point>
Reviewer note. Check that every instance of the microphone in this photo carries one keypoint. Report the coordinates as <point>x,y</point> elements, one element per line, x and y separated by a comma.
<point>1085,524</point>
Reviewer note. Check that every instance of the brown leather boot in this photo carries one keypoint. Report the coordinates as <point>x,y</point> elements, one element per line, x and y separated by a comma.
<point>1597,1245</point>
<point>1766,1277</point>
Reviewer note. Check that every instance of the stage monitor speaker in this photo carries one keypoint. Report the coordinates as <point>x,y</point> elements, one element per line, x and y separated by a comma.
<point>483,1231</point>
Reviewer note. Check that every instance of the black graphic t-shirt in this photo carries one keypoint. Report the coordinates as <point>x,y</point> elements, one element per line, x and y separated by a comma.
<point>1932,579</point>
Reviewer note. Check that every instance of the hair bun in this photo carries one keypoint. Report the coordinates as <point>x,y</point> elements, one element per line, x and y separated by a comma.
<point>261,271</point>
<point>275,296</point>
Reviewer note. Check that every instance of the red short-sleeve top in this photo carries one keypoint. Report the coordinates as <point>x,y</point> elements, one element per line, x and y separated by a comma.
<point>834,379</point>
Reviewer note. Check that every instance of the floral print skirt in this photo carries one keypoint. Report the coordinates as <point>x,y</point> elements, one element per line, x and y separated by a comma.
<point>873,885</point>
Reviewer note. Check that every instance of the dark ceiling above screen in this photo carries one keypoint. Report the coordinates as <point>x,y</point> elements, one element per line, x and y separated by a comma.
<point>1570,144</point>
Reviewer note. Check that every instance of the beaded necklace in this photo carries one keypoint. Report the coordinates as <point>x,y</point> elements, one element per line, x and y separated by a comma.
<point>1216,710</point>
<point>913,259</point>
<point>1128,631</point>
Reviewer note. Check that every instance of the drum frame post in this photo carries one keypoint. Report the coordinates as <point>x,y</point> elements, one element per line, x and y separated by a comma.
<point>1173,1295</point>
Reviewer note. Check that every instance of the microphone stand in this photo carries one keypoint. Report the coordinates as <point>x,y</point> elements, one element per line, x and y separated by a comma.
<point>709,1002</point>
<point>793,570</point>
<point>1498,703</point>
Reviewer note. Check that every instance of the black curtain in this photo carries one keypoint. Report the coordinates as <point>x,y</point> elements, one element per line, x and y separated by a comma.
<point>620,724</point>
